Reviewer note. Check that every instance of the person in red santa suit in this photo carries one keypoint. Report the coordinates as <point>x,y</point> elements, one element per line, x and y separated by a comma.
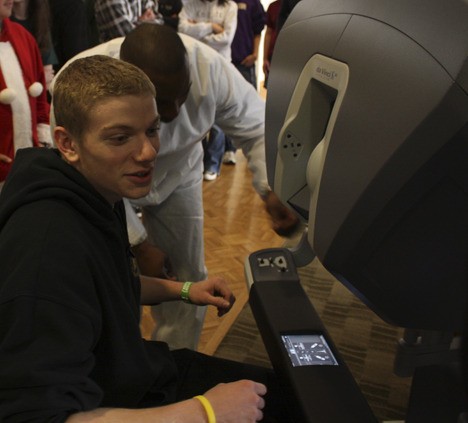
<point>24,110</point>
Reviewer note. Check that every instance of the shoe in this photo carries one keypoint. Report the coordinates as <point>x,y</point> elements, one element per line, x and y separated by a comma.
<point>210,176</point>
<point>229,157</point>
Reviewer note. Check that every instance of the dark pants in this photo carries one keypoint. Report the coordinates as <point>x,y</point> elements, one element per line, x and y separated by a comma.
<point>248,72</point>
<point>199,373</point>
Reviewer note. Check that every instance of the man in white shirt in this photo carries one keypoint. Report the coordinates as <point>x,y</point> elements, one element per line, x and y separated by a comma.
<point>196,88</point>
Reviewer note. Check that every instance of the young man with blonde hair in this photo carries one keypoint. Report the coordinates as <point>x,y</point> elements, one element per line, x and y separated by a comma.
<point>70,344</point>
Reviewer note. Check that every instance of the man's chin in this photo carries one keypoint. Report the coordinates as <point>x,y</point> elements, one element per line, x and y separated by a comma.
<point>138,193</point>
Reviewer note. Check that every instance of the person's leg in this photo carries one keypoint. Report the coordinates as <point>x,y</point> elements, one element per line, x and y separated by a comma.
<point>176,227</point>
<point>213,148</point>
<point>199,373</point>
<point>229,146</point>
<point>229,156</point>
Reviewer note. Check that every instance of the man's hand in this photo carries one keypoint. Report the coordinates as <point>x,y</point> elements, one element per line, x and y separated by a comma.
<point>285,222</point>
<point>5,159</point>
<point>152,261</point>
<point>249,60</point>
<point>213,291</point>
<point>237,402</point>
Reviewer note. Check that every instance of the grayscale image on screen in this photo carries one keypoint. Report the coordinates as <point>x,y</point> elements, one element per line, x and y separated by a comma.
<point>308,350</point>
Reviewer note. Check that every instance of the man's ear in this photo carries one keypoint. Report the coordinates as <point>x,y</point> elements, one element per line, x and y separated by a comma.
<point>66,144</point>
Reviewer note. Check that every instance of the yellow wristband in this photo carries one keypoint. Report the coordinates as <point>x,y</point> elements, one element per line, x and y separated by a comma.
<point>208,408</point>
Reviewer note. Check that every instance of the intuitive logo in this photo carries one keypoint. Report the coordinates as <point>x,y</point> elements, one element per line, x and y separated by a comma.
<point>329,74</point>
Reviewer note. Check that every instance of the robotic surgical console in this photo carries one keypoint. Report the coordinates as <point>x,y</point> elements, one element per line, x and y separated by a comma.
<point>367,141</point>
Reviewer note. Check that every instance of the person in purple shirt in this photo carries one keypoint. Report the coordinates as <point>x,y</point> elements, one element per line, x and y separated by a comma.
<point>251,18</point>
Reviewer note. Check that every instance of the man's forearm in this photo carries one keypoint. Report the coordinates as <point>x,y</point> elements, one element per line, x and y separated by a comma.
<point>155,291</point>
<point>182,412</point>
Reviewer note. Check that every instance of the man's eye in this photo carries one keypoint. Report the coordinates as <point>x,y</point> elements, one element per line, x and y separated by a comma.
<point>152,132</point>
<point>119,139</point>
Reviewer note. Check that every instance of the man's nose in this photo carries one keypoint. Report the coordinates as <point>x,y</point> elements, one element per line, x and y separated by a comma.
<point>149,148</point>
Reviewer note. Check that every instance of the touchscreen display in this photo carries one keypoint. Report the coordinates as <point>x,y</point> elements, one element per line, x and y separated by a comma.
<point>308,350</point>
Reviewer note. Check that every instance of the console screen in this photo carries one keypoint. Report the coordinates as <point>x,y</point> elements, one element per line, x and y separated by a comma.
<point>308,350</point>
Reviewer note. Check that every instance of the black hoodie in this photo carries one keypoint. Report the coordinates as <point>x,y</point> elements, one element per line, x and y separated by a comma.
<point>69,300</point>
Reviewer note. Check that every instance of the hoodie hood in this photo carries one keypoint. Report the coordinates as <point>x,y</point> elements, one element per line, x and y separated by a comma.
<point>41,174</point>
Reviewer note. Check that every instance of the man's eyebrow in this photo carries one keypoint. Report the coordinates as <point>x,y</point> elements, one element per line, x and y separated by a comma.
<point>117,126</point>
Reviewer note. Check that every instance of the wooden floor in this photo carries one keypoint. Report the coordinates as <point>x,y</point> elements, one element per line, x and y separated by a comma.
<point>236,224</point>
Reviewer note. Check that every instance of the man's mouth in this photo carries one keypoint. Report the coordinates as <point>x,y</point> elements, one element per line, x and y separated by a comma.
<point>142,173</point>
<point>143,176</point>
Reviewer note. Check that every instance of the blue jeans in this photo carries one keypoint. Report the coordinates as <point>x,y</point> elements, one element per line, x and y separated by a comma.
<point>213,147</point>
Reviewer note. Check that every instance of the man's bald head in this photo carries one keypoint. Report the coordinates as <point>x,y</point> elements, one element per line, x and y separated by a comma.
<point>159,52</point>
<point>154,47</point>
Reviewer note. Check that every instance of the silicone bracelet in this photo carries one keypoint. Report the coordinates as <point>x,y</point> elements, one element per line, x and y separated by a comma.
<point>208,408</point>
<point>184,294</point>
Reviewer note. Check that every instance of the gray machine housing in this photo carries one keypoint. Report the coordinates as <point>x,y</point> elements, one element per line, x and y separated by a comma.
<point>367,140</point>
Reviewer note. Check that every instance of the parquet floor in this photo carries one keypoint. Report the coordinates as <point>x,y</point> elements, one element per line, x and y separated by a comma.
<point>236,224</point>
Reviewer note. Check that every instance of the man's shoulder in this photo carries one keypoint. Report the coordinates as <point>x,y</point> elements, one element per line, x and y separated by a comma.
<point>200,53</point>
<point>110,48</point>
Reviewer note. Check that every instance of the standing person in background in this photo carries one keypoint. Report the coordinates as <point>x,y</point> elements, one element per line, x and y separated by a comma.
<point>69,28</point>
<point>116,18</point>
<point>213,22</point>
<point>270,36</point>
<point>244,48</point>
<point>24,110</point>
<point>250,23</point>
<point>34,15</point>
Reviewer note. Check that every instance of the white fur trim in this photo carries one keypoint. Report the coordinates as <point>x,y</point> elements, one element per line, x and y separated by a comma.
<point>35,90</point>
<point>7,96</point>
<point>20,108</point>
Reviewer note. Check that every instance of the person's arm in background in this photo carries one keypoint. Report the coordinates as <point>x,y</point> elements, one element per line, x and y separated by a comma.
<point>5,159</point>
<point>251,58</point>
<point>229,25</point>
<point>266,48</point>
<point>271,23</point>
<point>188,25</point>
<point>258,18</point>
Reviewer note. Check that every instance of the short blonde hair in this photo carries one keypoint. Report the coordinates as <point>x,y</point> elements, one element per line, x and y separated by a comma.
<point>87,81</point>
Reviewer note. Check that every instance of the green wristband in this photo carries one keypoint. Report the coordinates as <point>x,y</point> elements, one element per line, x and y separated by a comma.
<point>184,294</point>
